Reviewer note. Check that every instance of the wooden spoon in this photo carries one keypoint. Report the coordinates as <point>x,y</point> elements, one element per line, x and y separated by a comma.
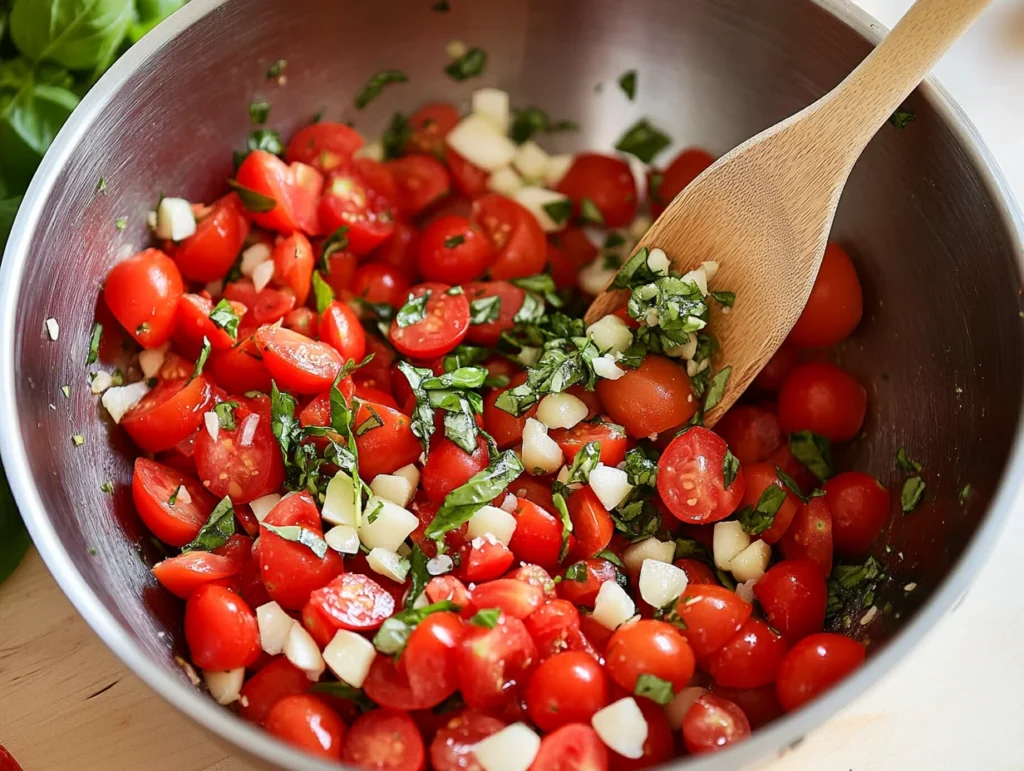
<point>764,210</point>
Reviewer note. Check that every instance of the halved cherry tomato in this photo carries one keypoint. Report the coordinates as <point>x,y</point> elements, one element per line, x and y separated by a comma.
<point>182,574</point>
<point>244,462</point>
<point>168,414</point>
<point>469,180</point>
<point>430,125</point>
<point>449,466</point>
<point>269,176</point>
<point>349,199</point>
<point>685,168</point>
<point>194,322</point>
<point>240,369</point>
<point>143,293</point>
<point>277,680</point>
<point>400,250</point>
<point>209,253</point>
<point>429,658</point>
<point>814,665</point>
<point>691,478</point>
<point>835,306</point>
<point>262,307</point>
<point>447,588</point>
<point>610,437</point>
<point>484,559</point>
<point>793,597</point>
<point>293,265</point>
<point>306,721</point>
<point>510,300</point>
<point>659,746</point>
<point>421,181</point>
<point>443,326</point>
<point>340,329</point>
<point>535,575</point>
<point>518,240</point>
<point>490,661</point>
<point>506,429</point>
<point>220,629</point>
<point>592,525</point>
<point>351,601</point>
<point>774,373</point>
<point>712,724</point>
<point>583,589</point>
<point>297,363</point>
<point>515,599</point>
<point>649,647</point>
<point>387,447</point>
<point>153,484</point>
<point>573,747</point>
<point>385,740</point>
<point>554,627</point>
<point>810,535</point>
<point>377,282</point>
<point>568,251</point>
<point>536,489</point>
<point>760,705</point>
<point>654,397</point>
<point>567,688</point>
<point>323,145</point>
<point>759,477</point>
<point>302,320</point>
<point>859,505</point>
<point>697,572</point>
<point>752,433</point>
<point>712,615</point>
<point>452,747</point>
<point>750,659</point>
<point>537,538</point>
<point>605,181</point>
<point>823,399</point>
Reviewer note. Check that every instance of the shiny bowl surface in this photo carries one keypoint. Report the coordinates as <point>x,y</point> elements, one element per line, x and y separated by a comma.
<point>926,216</point>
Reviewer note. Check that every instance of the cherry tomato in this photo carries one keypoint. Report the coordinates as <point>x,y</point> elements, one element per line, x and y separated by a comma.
<point>518,240</point>
<point>447,588</point>
<point>290,570</point>
<point>605,181</point>
<point>537,538</point>
<point>302,320</point>
<point>649,647</point>
<point>469,180</point>
<point>153,484</point>
<point>7,761</point>
<point>368,393</point>
<point>824,399</point>
<point>388,686</point>
<point>535,489</point>
<point>752,433</point>
<point>387,447</point>
<point>592,525</point>
<point>194,323</point>
<point>399,251</point>
<point>430,125</point>
<point>760,705</point>
<point>814,665</point>
<point>275,681</point>
<point>452,747</point>
<point>340,329</point>
<point>759,477</point>
<point>793,596</point>
<point>515,599</point>
<point>712,616</point>
<point>573,747</point>
<point>510,301</point>
<point>568,251</point>
<point>506,429</point>
<point>835,306</point>
<point>250,582</point>
<point>691,478</point>
<point>554,627</point>
<point>582,591</point>
<point>350,200</point>
<point>220,629</point>
<point>610,437</point>
<point>269,176</point>
<point>182,574</point>
<point>484,559</point>
<point>697,572</point>
<point>658,747</point>
<point>306,722</point>
<point>297,363</point>
<point>810,535</point>
<point>567,688</point>
<point>168,414</point>
<point>209,253</point>
<point>430,658</point>
<point>750,659</point>
<point>323,145</point>
<point>262,307</point>
<point>774,373</point>
<point>351,601</point>
<point>654,397</point>
<point>244,462</point>
<point>240,369</point>
<point>443,326</point>
<point>712,724</point>
<point>449,466</point>
<point>685,168</point>
<point>143,292</point>
<point>859,505</point>
<point>490,661</point>
<point>293,265</point>
<point>377,282</point>
<point>421,181</point>
<point>385,740</point>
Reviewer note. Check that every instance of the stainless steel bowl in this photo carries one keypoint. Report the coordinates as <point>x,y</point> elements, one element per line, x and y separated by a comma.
<point>926,215</point>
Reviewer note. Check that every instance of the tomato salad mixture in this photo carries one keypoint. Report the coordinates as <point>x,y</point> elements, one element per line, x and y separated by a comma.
<point>422,515</point>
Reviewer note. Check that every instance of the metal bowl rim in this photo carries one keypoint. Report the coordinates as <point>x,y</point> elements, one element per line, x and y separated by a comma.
<point>783,733</point>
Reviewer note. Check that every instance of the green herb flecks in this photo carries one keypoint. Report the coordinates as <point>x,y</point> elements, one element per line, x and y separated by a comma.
<point>730,468</point>
<point>911,493</point>
<point>559,211</point>
<point>654,688</point>
<point>761,516</point>
<point>395,137</point>
<point>419,575</point>
<point>308,538</point>
<point>414,310</point>
<point>394,633</point>
<point>901,118</point>
<point>224,316</point>
<point>486,618</point>
<point>217,530</point>
<point>814,452</point>
<point>590,213</point>
<point>334,243</point>
<point>716,388</point>
<point>643,141</point>
<point>322,292</point>
<point>375,85</point>
<point>453,392</point>
<point>94,343</point>
<point>852,586</point>
<point>276,70</point>
<point>528,121</point>
<point>344,691</point>
<point>204,354</point>
<point>252,200</point>
<point>627,82</point>
<point>904,463</point>
<point>470,65</point>
<point>259,111</point>
<point>484,310</point>
<point>482,488</point>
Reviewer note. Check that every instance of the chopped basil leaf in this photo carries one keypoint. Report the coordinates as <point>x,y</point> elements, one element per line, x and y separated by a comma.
<point>277,69</point>
<point>755,520</point>
<point>422,423</point>
<point>142,329</point>
<point>225,412</point>
<point>641,468</point>
<point>612,557</point>
<point>267,140</point>
<point>204,354</point>
<point>577,572</point>
<point>643,141</point>
<point>78,440</point>
<point>901,118</point>
<point>637,519</point>
<point>469,65</point>
<point>911,494</point>
<point>585,461</point>
<point>452,241</point>
<point>66,390</point>
<point>484,310</point>
<point>791,483</point>
<point>559,211</point>
<point>441,6</point>
<point>454,291</point>
<point>259,112</point>
<point>849,583</point>
<point>335,242</point>
<point>965,493</point>
<point>223,316</point>
<point>414,311</point>
<point>613,240</point>
<point>730,468</point>
<point>689,548</point>
<point>726,299</point>
<point>394,632</point>
<point>372,422</point>
<point>107,487</point>
<point>635,272</point>
<point>420,575</point>
<point>375,85</point>
<point>628,84</point>
<point>344,691</point>
<point>94,343</point>
<point>395,136</point>
<point>590,213</point>
<point>716,388</point>
<point>487,618</point>
<point>558,501</point>
<point>465,355</point>
<point>542,285</point>
<point>308,538</point>
<point>322,292</point>
<point>216,531</point>
<point>251,200</point>
<point>814,451</point>
<point>654,688</point>
<point>283,422</point>
<point>121,223</point>
<point>565,361</point>
<point>482,488</point>
<point>530,120</point>
<point>101,186</point>
<point>905,463</point>
<point>670,615</point>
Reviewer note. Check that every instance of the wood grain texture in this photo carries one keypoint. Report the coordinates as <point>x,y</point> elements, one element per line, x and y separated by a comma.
<point>764,210</point>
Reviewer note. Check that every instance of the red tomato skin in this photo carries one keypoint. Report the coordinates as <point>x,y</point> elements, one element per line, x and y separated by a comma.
<point>584,593</point>
<point>752,433</point>
<point>194,323</point>
<point>323,145</point>
<point>568,251</point>
<point>449,466</point>
<point>654,397</point>
<point>567,688</point>
<point>368,393</point>
<point>506,429</point>
<point>209,253</point>
<point>143,293</point>
<point>750,659</point>
<point>447,587</point>
<point>399,251</point>
<point>537,538</point>
<point>685,168</point>
<point>510,300</point>
<point>516,599</point>
<point>823,399</point>
<point>377,282</point>
<point>712,615</point>
<point>275,681</point>
<point>268,175</point>
<point>452,747</point>
<point>340,329</point>
<point>814,665</point>
<point>430,125</point>
<point>293,265</point>
<point>835,306</point>
<point>573,747</point>
<point>443,327</point>
<point>182,574</point>
<point>387,685</point>
<point>349,199</point>
<point>651,647</point>
<point>421,180</point>
<point>760,705</point>
<point>774,373</point>
<point>810,535</point>
<point>859,505</point>
<point>306,722</point>
<point>697,572</point>
<point>240,368</point>
<point>490,661</point>
<point>469,180</point>
<point>659,746</point>
<point>220,629</point>
<point>152,486</point>
<point>385,740</point>
<point>691,479</point>
<point>793,597</point>
<point>518,240</point>
<point>302,320</point>
<point>759,477</point>
<point>168,414</point>
<point>386,448</point>
<point>351,601</point>
<point>535,575</point>
<point>592,525</point>
<point>484,560</point>
<point>297,363</point>
<point>244,473</point>
<point>610,437</point>
<point>712,724</point>
<point>430,657</point>
<point>608,182</point>
<point>554,627</point>
<point>263,307</point>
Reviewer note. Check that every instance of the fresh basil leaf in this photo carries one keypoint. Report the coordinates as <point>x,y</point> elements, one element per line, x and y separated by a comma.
<point>586,460</point>
<point>755,520</point>
<point>964,494</point>
<point>266,140</point>
<point>422,422</point>
<point>204,354</point>
<point>322,292</point>
<point>792,484</point>
<point>613,240</point>
<point>486,618</point>
<point>901,118</point>
<point>725,299</point>
<point>669,613</point>
<point>276,69</point>
<point>94,343</point>
<point>420,575</point>
<point>635,272</point>
<point>528,121</point>
<point>225,412</point>
<point>730,468</point>
<point>654,688</point>
<point>372,422</point>
<point>308,538</point>
<point>484,310</point>
<point>216,531</point>
<point>224,317</point>
<point>465,355</point>
<point>334,243</point>
<point>612,557</point>
<point>689,548</point>
<point>414,310</point>
<point>904,463</point>
<point>396,136</point>
<point>375,85</point>
<point>558,500</point>
<point>559,211</point>
<point>259,112</point>
<point>470,65</point>
<point>641,468</point>
<point>31,114</point>
<point>911,494</point>
<point>542,285</point>
<point>482,488</point>
<point>394,632</point>
<point>563,364</point>
<point>590,213</point>
<point>148,14</point>
<point>283,423</point>
<point>251,200</point>
<point>531,310</point>
<point>636,519</point>
<point>716,388</point>
<point>848,585</point>
<point>577,572</point>
<point>643,141</point>
<point>452,241</point>
<point>627,82</point>
<point>344,691</point>
<point>77,34</point>
<point>814,451</point>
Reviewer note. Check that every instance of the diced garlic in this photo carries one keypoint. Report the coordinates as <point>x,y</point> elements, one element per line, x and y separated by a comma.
<point>52,329</point>
<point>101,381</point>
<point>174,219</point>
<point>492,104</point>
<point>481,143</point>
<point>392,488</point>
<point>388,564</point>
<point>505,181</point>
<point>152,359</point>
<point>613,606</point>
<point>513,748</point>
<point>648,549</point>
<point>456,49</point>
<point>301,650</point>
<point>610,485</point>
<point>510,504</point>
<point>750,564</point>
<point>249,426</point>
<point>698,277</point>
<point>695,368</point>
<point>611,334</point>
<point>151,220</point>
<point>411,473</point>
<point>343,539</point>
<point>349,656</point>
<point>639,227</point>
<point>439,565</point>
<point>594,277</point>
<point>561,410</point>
<point>372,150</point>
<point>341,501</point>
<point>686,350</point>
<point>558,167</point>
<point>184,496</point>
<point>658,261</point>
<point>212,423</point>
<point>274,626</point>
<point>494,521</point>
<point>622,727</point>
<point>390,528</point>
<point>253,257</point>
<point>534,199</point>
<point>661,582</point>
<point>710,268</point>
<point>745,590</point>
<point>225,687</point>
<point>262,275</point>
<point>606,367</point>
<point>531,161</point>
<point>541,453</point>
<point>119,399</point>
<point>528,356</point>
<point>263,505</point>
<point>729,539</point>
<point>676,709</point>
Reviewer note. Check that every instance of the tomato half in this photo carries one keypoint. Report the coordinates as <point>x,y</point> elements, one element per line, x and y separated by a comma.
<point>793,597</point>
<point>610,437</point>
<point>430,124</point>
<point>654,397</point>
<point>143,292</point>
<point>323,145</point>
<point>443,326</point>
<point>399,251</point>
<point>182,574</point>
<point>306,722</point>
<point>583,589</point>
<point>519,243</point>
<point>421,181</point>
<point>506,429</point>
<point>209,253</point>
<point>515,599</point>
<point>824,399</point>
<point>554,627</point>
<point>835,306</point>
<point>567,688</point>
<point>244,462</point>
<point>592,525</point>
<point>194,323</point>
<point>691,478</point>
<point>814,665</point>
<point>859,505</point>
<point>491,661</point>
<point>385,740</point>
<point>573,747</point>
<point>262,307</point>
<point>484,559</point>
<point>712,724</point>
<point>351,601</point>
<point>430,657</point>
<point>605,181</point>
<point>452,747</point>
<point>297,363</point>
<point>683,169</point>
<point>510,300</point>
<point>537,538</point>
<point>220,629</point>
<point>240,369</point>
<point>168,414</point>
<point>469,180</point>
<point>269,176</point>
<point>350,201</point>
<point>377,282</point>
<point>293,265</point>
<point>153,484</point>
<point>387,447</point>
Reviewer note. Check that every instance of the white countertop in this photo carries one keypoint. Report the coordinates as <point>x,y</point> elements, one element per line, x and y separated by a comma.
<point>957,703</point>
